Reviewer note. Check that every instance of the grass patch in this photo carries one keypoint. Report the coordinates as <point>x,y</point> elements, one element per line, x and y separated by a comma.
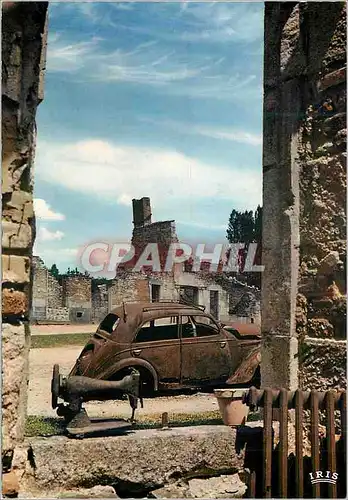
<point>46,426</point>
<point>43,426</point>
<point>59,340</point>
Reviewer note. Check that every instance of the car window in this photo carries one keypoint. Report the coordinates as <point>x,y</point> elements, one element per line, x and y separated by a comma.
<point>109,323</point>
<point>204,326</point>
<point>165,328</point>
<point>187,328</point>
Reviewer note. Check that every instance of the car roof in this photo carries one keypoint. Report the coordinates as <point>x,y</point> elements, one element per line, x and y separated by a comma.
<point>135,308</point>
<point>134,314</point>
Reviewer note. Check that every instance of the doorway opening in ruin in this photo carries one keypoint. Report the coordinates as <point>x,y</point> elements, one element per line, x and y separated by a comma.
<point>214,303</point>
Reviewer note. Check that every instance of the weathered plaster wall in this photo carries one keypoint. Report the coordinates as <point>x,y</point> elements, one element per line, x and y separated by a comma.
<point>304,189</point>
<point>23,59</point>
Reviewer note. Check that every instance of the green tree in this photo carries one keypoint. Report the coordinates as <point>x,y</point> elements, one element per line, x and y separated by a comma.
<point>258,225</point>
<point>234,227</point>
<point>54,271</point>
<point>246,227</point>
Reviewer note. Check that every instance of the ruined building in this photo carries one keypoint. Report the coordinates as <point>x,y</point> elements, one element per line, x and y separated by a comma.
<point>74,299</point>
<point>68,299</point>
<point>221,296</point>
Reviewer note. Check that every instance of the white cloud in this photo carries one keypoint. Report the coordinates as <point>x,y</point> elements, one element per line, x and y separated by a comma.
<point>43,211</point>
<point>125,199</point>
<point>119,173</point>
<point>233,135</point>
<point>224,22</point>
<point>45,234</point>
<point>153,64</point>
<point>69,57</point>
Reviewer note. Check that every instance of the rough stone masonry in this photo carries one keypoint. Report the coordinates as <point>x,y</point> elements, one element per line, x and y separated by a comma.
<point>23,61</point>
<point>304,195</point>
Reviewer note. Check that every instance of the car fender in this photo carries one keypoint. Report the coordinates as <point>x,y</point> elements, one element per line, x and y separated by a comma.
<point>247,368</point>
<point>128,362</point>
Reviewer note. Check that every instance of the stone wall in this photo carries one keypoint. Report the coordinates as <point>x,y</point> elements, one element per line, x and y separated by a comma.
<point>67,299</point>
<point>133,286</point>
<point>99,302</point>
<point>40,290</point>
<point>58,315</point>
<point>23,59</point>
<point>77,297</point>
<point>128,287</point>
<point>304,190</point>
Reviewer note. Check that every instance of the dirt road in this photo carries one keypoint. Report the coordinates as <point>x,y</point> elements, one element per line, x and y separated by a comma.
<point>39,399</point>
<point>62,329</point>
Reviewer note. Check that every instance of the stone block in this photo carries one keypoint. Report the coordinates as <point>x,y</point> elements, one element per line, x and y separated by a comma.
<point>146,457</point>
<point>332,79</point>
<point>14,370</point>
<point>334,124</point>
<point>16,236</point>
<point>292,56</point>
<point>15,269</point>
<point>14,302</point>
<point>95,492</point>
<point>279,361</point>
<point>10,484</point>
<point>326,24</point>
<point>19,207</point>
<point>225,486</point>
<point>320,327</point>
<point>323,364</point>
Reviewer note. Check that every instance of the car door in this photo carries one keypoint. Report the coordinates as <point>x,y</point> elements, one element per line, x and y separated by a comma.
<point>205,353</point>
<point>158,343</point>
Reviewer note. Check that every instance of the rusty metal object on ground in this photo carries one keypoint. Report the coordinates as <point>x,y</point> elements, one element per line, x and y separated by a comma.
<point>76,390</point>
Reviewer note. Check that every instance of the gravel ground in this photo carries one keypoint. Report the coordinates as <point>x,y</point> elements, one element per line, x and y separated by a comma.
<point>39,399</point>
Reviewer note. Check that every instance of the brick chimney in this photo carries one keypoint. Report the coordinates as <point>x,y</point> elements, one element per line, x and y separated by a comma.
<point>141,212</point>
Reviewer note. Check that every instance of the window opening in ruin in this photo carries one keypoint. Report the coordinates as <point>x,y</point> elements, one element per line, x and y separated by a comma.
<point>189,294</point>
<point>165,328</point>
<point>79,314</point>
<point>155,293</point>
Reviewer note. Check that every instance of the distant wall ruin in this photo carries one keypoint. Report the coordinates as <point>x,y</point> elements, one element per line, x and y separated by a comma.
<point>64,300</point>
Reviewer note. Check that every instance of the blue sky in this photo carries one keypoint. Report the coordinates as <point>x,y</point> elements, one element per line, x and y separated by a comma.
<point>147,99</point>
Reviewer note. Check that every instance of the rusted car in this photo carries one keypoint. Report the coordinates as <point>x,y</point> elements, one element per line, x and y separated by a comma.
<point>172,345</point>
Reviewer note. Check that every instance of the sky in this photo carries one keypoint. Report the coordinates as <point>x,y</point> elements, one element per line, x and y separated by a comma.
<point>147,99</point>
